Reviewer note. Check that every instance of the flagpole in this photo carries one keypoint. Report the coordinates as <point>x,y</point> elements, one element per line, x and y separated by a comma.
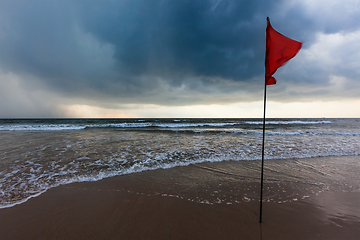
<point>279,50</point>
<point>262,157</point>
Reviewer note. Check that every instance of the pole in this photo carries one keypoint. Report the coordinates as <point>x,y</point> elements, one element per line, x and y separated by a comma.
<point>262,157</point>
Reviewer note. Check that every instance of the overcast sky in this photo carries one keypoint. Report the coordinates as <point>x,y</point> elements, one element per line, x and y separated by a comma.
<point>176,58</point>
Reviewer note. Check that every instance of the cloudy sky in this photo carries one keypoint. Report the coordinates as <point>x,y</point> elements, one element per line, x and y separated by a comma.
<point>176,58</point>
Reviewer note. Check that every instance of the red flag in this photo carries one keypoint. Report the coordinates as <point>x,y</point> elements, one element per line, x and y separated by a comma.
<point>279,50</point>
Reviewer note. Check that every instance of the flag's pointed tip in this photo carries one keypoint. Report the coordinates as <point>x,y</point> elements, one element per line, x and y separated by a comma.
<point>268,21</point>
<point>270,81</point>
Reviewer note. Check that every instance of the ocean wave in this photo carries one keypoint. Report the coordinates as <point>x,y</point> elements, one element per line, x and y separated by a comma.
<point>288,122</point>
<point>196,128</point>
<point>42,127</point>
<point>60,127</point>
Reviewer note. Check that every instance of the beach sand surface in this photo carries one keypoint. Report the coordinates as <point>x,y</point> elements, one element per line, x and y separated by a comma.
<point>199,201</point>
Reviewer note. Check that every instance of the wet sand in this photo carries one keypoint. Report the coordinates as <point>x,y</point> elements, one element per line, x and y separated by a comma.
<point>203,201</point>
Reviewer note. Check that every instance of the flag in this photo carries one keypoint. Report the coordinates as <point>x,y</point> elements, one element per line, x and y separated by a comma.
<point>279,50</point>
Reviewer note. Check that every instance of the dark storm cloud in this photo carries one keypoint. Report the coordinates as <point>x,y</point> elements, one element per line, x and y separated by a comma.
<point>181,37</point>
<point>141,51</point>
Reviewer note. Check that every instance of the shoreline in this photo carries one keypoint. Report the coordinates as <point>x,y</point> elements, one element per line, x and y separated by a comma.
<point>255,174</point>
<point>199,201</point>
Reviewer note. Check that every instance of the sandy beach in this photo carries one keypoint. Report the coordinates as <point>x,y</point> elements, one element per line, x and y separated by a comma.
<point>181,203</point>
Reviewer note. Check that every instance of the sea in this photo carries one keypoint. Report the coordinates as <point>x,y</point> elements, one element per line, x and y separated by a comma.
<point>39,154</point>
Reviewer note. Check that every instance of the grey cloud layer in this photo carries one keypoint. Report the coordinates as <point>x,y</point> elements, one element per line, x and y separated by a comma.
<point>162,52</point>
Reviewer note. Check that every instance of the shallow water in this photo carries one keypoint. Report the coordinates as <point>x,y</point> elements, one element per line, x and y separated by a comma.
<point>36,155</point>
<point>231,182</point>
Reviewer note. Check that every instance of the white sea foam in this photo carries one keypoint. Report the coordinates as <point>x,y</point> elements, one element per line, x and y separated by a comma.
<point>42,127</point>
<point>61,127</point>
<point>288,122</point>
<point>62,176</point>
<point>22,200</point>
